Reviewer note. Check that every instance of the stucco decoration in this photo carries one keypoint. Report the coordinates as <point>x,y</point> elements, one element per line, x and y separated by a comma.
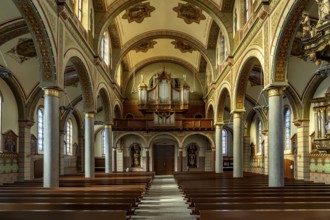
<point>23,51</point>
<point>145,46</point>
<point>189,13</point>
<point>138,12</point>
<point>184,47</point>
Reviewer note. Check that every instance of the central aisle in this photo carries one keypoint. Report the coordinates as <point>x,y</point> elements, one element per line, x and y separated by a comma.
<point>163,201</point>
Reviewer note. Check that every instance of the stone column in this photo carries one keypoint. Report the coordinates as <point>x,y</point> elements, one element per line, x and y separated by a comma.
<point>89,145</point>
<point>213,159</point>
<point>276,137</point>
<point>180,160</point>
<point>247,153</point>
<point>147,160</point>
<point>302,149</point>
<point>238,145</point>
<point>218,149</point>
<point>25,163</point>
<point>62,135</point>
<point>266,147</point>
<point>51,137</point>
<point>316,123</point>
<point>108,148</point>
<point>114,159</point>
<point>81,154</point>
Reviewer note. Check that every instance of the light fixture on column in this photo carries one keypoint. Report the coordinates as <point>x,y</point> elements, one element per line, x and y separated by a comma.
<point>4,72</point>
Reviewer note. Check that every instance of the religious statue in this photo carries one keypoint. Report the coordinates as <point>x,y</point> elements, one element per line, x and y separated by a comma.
<point>192,156</point>
<point>324,11</point>
<point>136,155</point>
<point>306,25</point>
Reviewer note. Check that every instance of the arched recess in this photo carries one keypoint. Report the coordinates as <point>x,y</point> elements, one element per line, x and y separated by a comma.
<point>221,103</point>
<point>80,65</point>
<point>106,102</point>
<point>131,133</point>
<point>168,34</point>
<point>209,138</point>
<point>284,37</point>
<point>210,111</point>
<point>251,58</point>
<point>164,135</point>
<point>117,112</point>
<point>41,33</point>
<point>209,6</point>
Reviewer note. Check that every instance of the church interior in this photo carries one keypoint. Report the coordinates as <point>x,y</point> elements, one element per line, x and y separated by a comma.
<point>158,109</point>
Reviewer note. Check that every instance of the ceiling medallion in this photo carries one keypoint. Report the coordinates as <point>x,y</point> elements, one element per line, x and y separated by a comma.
<point>23,51</point>
<point>145,46</point>
<point>138,12</point>
<point>189,13</point>
<point>182,46</point>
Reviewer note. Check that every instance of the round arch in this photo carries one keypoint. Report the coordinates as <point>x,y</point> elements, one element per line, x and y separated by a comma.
<point>284,35</point>
<point>106,102</point>
<point>131,133</point>
<point>154,137</point>
<point>252,57</point>
<point>202,134</point>
<point>42,37</point>
<point>210,110</point>
<point>224,93</point>
<point>168,34</point>
<point>80,65</point>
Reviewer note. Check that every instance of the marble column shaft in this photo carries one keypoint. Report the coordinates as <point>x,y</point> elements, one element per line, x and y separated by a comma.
<point>147,160</point>
<point>51,138</point>
<point>108,148</point>
<point>238,145</point>
<point>276,138</point>
<point>218,149</point>
<point>89,146</point>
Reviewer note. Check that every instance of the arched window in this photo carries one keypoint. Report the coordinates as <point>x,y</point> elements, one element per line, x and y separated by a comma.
<point>287,130</point>
<point>79,9</point>
<point>105,47</point>
<point>68,138</point>
<point>103,142</point>
<point>40,129</point>
<point>224,142</point>
<point>246,10</point>
<point>223,48</point>
<point>259,137</point>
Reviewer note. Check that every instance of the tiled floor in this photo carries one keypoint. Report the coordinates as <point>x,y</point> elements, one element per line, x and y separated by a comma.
<point>163,201</point>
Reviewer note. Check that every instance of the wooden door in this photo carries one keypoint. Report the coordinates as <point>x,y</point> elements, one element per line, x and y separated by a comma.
<point>163,157</point>
<point>288,169</point>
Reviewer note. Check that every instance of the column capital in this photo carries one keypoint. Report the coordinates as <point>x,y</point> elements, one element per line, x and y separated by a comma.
<point>219,124</point>
<point>89,114</point>
<point>147,149</point>
<point>53,91</point>
<point>25,123</point>
<point>237,113</point>
<point>301,122</point>
<point>275,91</point>
<point>108,126</point>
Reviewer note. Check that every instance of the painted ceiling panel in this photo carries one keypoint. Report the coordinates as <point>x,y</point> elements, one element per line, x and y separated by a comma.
<point>164,47</point>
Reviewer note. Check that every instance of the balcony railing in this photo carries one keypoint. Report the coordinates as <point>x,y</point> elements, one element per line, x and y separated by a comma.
<point>148,124</point>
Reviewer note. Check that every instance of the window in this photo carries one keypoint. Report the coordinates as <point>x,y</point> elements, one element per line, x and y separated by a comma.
<point>259,137</point>
<point>103,142</point>
<point>224,142</point>
<point>79,9</point>
<point>246,10</point>
<point>68,138</point>
<point>287,130</point>
<point>40,129</point>
<point>105,47</point>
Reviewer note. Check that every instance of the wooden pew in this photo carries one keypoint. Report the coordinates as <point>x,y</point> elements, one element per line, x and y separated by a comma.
<point>300,214</point>
<point>64,215</point>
